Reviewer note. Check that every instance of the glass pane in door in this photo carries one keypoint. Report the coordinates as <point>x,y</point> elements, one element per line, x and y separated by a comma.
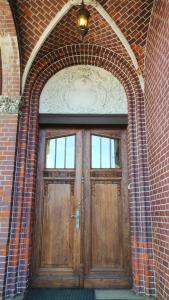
<point>96,151</point>
<point>105,152</point>
<point>60,153</point>
<point>50,154</point>
<point>70,152</point>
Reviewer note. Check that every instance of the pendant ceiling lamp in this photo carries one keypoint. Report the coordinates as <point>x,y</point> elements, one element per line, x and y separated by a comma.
<point>83,19</point>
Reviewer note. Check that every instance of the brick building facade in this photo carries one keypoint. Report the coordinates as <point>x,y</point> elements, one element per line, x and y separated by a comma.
<point>156,108</point>
<point>130,39</point>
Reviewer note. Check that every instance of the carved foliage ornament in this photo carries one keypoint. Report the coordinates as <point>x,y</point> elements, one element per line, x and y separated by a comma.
<point>9,104</point>
<point>83,89</point>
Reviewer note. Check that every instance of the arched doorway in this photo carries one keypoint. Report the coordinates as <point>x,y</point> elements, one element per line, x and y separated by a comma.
<point>81,232</point>
<point>23,202</point>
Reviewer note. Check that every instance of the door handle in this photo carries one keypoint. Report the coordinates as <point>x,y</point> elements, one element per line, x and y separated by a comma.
<point>78,218</point>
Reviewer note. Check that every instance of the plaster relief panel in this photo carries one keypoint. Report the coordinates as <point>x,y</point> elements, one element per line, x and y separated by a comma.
<point>83,90</point>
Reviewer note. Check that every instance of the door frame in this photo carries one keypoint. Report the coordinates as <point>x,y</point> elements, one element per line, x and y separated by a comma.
<point>85,121</point>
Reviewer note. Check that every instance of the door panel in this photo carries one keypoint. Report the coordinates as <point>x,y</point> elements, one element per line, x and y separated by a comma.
<point>106,240</point>
<point>56,239</point>
<point>106,229</point>
<point>81,235</point>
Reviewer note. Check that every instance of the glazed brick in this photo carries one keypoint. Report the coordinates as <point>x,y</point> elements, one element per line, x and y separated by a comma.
<point>157,128</point>
<point>132,16</point>
<point>8,128</point>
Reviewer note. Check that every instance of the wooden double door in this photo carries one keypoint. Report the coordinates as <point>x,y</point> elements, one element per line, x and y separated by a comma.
<point>81,228</point>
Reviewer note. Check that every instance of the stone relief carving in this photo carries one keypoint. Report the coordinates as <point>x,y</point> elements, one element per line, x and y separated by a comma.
<point>9,104</point>
<point>83,89</point>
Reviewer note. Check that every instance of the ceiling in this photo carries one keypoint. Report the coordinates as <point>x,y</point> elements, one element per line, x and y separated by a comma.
<point>33,16</point>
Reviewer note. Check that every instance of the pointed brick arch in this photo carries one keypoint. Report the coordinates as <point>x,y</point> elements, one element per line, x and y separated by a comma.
<point>65,9</point>
<point>24,185</point>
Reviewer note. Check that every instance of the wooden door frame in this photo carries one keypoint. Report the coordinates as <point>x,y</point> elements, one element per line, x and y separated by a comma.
<point>107,122</point>
<point>83,119</point>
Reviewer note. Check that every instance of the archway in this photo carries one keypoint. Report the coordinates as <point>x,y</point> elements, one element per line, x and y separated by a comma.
<point>27,157</point>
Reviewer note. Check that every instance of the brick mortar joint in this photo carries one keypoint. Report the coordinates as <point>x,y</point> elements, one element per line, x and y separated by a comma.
<point>10,104</point>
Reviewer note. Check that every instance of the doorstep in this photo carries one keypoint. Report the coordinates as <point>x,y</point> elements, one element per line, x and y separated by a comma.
<point>108,294</point>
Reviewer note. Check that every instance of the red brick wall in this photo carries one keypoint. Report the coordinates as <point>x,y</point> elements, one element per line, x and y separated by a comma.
<point>157,115</point>
<point>9,86</point>
<point>132,17</point>
<point>100,33</point>
<point>8,128</point>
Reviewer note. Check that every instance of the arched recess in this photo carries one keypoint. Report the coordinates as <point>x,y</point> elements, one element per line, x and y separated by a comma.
<point>65,9</point>
<point>24,185</point>
<point>9,52</point>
